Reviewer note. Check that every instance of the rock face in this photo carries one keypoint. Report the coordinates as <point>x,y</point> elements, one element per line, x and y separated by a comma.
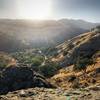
<point>15,78</point>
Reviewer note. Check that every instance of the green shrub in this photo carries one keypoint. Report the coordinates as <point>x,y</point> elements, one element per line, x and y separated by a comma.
<point>37,60</point>
<point>49,69</point>
<point>29,58</point>
<point>82,63</point>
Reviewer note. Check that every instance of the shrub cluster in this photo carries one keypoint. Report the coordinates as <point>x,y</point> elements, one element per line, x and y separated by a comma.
<point>38,63</point>
<point>49,69</point>
<point>81,63</point>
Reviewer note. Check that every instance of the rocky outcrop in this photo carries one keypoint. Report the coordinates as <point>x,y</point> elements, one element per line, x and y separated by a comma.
<point>15,78</point>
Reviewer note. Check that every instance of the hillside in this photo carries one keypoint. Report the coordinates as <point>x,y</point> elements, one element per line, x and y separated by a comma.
<point>69,78</point>
<point>70,70</point>
<point>26,34</point>
<point>67,86</point>
<point>84,45</point>
<point>80,61</point>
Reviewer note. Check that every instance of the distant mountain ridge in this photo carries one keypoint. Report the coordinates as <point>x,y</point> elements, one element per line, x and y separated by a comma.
<point>24,34</point>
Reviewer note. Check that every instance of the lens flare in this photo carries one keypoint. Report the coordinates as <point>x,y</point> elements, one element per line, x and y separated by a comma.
<point>35,9</point>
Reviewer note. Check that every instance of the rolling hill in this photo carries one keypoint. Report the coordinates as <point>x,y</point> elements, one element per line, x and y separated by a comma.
<point>25,34</point>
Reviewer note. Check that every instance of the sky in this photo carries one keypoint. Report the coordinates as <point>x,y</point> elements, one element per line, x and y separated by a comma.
<point>88,10</point>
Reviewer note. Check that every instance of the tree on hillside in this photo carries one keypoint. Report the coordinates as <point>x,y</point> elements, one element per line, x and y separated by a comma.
<point>49,69</point>
<point>82,63</point>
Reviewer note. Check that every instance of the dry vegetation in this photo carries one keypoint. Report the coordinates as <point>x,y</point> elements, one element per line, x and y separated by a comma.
<point>68,78</point>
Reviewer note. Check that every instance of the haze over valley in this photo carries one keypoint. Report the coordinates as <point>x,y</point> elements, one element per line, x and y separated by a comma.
<point>49,49</point>
<point>23,34</point>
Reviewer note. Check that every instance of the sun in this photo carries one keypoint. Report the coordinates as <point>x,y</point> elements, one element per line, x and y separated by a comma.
<point>35,9</point>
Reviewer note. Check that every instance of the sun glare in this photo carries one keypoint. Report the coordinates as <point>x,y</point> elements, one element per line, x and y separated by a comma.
<point>35,9</point>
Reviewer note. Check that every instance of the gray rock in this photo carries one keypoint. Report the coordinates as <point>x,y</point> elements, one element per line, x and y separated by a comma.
<point>14,78</point>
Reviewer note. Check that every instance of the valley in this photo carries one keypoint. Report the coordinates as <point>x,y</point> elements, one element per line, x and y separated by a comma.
<point>68,69</point>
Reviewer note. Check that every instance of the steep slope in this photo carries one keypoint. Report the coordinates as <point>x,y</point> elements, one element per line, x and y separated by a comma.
<point>69,78</point>
<point>80,61</point>
<point>85,45</point>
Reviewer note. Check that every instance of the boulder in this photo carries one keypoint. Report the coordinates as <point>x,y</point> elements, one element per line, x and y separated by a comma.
<point>15,78</point>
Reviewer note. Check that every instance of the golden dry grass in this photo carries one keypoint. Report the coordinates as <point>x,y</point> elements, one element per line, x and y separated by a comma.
<point>61,78</point>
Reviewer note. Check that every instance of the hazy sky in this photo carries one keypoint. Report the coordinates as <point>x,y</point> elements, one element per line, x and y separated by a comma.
<point>51,9</point>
